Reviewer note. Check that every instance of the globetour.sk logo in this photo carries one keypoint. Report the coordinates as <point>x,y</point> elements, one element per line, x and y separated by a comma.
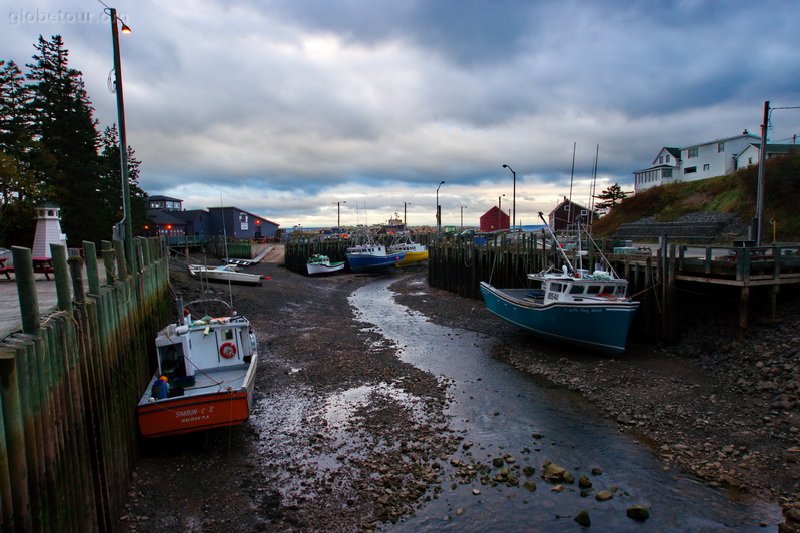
<point>61,16</point>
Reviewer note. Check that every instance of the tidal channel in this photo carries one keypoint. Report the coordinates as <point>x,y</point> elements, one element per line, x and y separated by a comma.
<point>501,412</point>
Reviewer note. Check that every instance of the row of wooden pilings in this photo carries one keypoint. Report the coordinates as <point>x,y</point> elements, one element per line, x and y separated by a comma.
<point>69,384</point>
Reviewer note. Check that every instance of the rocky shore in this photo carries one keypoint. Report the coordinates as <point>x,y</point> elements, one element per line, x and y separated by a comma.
<point>721,407</point>
<point>719,404</point>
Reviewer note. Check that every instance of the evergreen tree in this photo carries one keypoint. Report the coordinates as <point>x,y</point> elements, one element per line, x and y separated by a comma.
<point>611,197</point>
<point>66,140</point>
<point>111,183</point>
<point>19,192</point>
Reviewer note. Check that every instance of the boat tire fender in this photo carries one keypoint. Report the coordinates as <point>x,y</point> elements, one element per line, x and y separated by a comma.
<point>227,350</point>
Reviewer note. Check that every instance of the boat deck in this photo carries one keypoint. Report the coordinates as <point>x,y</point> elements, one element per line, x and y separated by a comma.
<point>206,382</point>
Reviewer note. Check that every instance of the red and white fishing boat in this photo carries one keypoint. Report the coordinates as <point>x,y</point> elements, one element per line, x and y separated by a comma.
<point>205,376</point>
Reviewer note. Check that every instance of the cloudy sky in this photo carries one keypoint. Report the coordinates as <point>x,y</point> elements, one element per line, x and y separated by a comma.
<point>286,107</point>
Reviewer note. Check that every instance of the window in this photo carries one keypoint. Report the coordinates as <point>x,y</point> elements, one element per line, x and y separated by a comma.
<point>690,170</point>
<point>720,147</point>
<point>749,160</point>
<point>706,167</point>
<point>576,289</point>
<point>667,159</point>
<point>593,289</point>
<point>666,173</point>
<point>692,152</point>
<point>661,160</point>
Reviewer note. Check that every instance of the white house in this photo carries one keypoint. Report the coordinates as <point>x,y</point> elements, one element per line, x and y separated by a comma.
<point>695,162</point>
<point>749,156</point>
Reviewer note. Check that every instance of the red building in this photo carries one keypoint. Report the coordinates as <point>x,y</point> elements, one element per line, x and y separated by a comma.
<point>495,219</point>
<point>564,215</point>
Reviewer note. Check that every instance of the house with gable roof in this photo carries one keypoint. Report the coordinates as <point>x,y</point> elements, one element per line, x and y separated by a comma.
<point>694,162</point>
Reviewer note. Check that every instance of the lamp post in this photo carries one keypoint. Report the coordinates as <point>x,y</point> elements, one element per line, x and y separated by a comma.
<point>438,211</point>
<point>405,215</point>
<point>499,209</point>
<point>338,223</point>
<point>126,221</point>
<point>514,198</point>
<point>462,217</point>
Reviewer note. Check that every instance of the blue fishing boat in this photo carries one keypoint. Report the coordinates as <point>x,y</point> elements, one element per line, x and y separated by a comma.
<point>371,257</point>
<point>573,305</point>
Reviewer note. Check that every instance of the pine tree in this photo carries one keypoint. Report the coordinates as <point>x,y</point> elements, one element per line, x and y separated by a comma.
<point>111,183</point>
<point>18,190</point>
<point>66,140</point>
<point>611,197</point>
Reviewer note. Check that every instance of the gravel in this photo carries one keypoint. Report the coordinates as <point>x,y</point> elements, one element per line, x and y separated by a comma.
<point>721,406</point>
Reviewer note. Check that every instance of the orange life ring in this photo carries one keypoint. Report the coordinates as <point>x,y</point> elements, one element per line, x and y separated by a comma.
<point>227,350</point>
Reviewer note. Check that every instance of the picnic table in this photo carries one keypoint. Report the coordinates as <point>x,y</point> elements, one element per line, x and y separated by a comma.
<point>43,265</point>
<point>4,268</point>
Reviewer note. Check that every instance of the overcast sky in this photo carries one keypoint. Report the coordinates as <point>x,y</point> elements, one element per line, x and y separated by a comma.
<point>285,107</point>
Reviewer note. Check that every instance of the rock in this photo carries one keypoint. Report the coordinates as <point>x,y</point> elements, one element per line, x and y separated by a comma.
<point>584,483</point>
<point>476,491</point>
<point>498,462</point>
<point>603,495</point>
<point>639,513</point>
<point>529,485</point>
<point>528,470</point>
<point>582,518</point>
<point>596,471</point>
<point>555,474</point>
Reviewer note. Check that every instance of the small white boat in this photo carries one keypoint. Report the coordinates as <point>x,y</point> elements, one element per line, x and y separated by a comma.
<point>319,264</point>
<point>224,273</point>
<point>205,376</point>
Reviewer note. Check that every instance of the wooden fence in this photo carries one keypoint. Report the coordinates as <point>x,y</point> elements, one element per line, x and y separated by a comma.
<point>69,384</point>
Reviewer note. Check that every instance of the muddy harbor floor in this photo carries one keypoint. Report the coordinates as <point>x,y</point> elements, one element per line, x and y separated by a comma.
<point>720,407</point>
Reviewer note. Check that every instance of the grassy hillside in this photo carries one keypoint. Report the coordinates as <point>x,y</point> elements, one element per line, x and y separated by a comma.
<point>734,193</point>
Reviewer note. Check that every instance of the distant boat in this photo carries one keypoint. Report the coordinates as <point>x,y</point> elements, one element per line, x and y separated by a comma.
<point>571,305</point>
<point>319,264</point>
<point>371,257</point>
<point>224,273</point>
<point>415,252</point>
<point>205,376</point>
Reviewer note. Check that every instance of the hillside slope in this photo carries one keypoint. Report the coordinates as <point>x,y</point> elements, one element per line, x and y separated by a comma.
<point>732,194</point>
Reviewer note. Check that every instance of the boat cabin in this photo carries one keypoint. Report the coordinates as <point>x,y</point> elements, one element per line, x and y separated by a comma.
<point>202,346</point>
<point>561,288</point>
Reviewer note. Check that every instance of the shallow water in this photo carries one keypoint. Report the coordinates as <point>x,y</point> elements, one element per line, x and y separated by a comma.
<point>498,409</point>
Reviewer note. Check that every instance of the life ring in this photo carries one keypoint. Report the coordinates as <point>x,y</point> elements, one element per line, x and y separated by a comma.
<point>227,350</point>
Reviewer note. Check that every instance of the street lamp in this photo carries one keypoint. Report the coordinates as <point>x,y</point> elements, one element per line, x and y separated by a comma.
<point>438,211</point>
<point>462,217</point>
<point>514,199</point>
<point>126,221</point>
<point>405,215</point>
<point>499,209</point>
<point>338,224</point>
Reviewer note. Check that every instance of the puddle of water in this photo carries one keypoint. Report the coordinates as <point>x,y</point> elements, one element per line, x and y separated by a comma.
<point>502,411</point>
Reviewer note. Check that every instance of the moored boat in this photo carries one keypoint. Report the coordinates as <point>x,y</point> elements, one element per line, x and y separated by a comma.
<point>371,257</point>
<point>415,252</point>
<point>319,264</point>
<point>205,376</point>
<point>571,305</point>
<point>224,273</point>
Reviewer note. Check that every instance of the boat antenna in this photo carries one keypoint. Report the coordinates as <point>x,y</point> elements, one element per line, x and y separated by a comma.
<point>571,216</point>
<point>225,240</point>
<point>593,189</point>
<point>563,253</point>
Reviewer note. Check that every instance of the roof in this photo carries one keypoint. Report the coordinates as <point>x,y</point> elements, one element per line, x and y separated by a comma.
<point>248,212</point>
<point>726,139</point>
<point>165,198</point>
<point>161,216</point>
<point>567,201</point>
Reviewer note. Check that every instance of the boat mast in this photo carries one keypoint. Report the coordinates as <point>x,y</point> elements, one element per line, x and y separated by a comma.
<point>558,245</point>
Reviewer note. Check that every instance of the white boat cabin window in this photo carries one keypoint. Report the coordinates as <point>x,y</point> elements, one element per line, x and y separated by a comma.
<point>593,289</point>
<point>576,289</point>
<point>228,334</point>
<point>557,287</point>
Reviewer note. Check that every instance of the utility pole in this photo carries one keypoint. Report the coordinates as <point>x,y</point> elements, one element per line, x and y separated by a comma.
<point>462,217</point>
<point>758,222</point>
